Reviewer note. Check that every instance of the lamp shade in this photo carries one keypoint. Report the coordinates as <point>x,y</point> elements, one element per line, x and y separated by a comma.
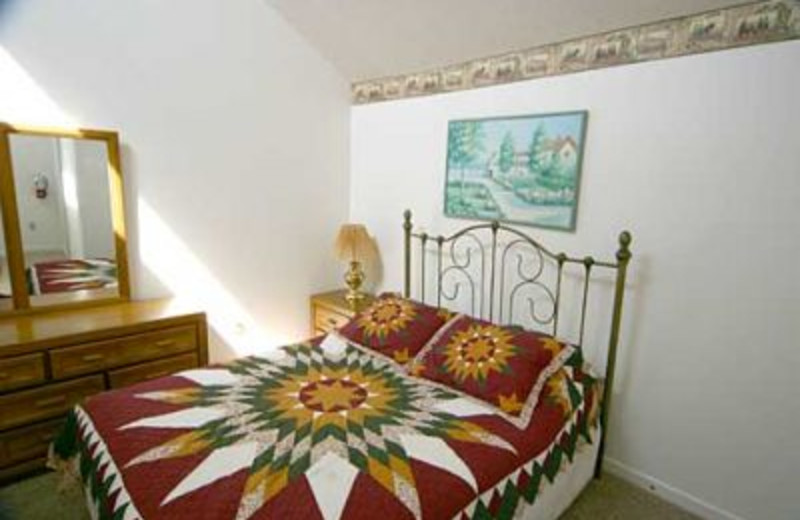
<point>354,243</point>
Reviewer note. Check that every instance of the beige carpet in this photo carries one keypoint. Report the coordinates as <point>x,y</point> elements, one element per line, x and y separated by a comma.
<point>607,499</point>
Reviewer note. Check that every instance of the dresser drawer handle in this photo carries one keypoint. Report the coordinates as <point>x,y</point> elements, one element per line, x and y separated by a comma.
<point>156,375</point>
<point>46,437</point>
<point>165,343</point>
<point>51,401</point>
<point>89,358</point>
<point>333,321</point>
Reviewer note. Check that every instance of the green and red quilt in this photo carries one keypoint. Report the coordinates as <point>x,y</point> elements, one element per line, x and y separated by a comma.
<point>313,433</point>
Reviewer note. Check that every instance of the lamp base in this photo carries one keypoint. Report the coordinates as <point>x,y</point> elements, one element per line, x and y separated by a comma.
<point>354,278</point>
<point>355,298</point>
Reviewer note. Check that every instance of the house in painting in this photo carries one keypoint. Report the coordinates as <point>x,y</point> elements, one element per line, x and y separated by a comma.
<point>563,150</point>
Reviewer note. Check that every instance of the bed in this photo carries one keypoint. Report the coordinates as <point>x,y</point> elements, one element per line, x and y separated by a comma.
<point>334,428</point>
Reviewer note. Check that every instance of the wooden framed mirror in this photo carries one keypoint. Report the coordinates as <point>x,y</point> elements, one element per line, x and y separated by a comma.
<point>63,219</point>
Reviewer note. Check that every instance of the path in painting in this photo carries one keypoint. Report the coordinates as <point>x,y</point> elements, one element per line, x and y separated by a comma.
<point>516,209</point>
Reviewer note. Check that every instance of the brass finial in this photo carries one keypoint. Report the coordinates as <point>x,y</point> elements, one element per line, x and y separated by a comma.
<point>624,252</point>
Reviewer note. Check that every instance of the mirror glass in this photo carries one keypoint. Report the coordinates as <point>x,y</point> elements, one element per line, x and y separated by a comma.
<point>63,201</point>
<point>6,302</point>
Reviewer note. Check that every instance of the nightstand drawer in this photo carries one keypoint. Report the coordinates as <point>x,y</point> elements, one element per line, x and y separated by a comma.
<point>331,310</point>
<point>328,320</point>
<point>94,357</point>
<point>28,442</point>
<point>152,370</point>
<point>48,401</point>
<point>21,371</point>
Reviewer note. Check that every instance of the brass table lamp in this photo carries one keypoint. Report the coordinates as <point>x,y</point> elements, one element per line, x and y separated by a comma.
<point>353,244</point>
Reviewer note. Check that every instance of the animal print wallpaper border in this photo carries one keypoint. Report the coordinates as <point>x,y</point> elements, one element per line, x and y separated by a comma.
<point>748,24</point>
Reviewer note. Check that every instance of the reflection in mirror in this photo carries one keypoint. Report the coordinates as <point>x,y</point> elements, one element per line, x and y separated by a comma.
<point>64,206</point>
<point>6,303</point>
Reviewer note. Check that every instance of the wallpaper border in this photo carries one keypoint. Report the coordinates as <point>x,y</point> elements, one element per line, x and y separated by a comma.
<point>753,23</point>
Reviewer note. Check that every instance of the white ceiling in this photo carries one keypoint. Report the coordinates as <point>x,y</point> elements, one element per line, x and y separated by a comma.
<point>367,39</point>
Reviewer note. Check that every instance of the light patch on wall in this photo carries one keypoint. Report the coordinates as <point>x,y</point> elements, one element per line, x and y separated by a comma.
<point>69,179</point>
<point>22,100</point>
<point>192,283</point>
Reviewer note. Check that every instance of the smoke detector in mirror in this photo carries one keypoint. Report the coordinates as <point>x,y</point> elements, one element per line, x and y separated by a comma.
<point>40,185</point>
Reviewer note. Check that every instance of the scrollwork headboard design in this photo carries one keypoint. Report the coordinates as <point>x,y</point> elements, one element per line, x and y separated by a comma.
<point>488,264</point>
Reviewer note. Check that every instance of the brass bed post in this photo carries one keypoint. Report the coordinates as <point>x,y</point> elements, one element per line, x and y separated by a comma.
<point>623,257</point>
<point>495,227</point>
<point>407,253</point>
<point>423,239</point>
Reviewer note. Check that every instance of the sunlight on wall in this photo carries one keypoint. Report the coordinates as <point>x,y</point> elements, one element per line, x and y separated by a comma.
<point>22,100</point>
<point>69,180</point>
<point>67,161</point>
<point>174,264</point>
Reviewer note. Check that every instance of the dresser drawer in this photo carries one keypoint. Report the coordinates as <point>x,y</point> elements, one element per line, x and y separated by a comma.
<point>152,370</point>
<point>93,357</point>
<point>327,320</point>
<point>21,371</point>
<point>48,401</point>
<point>28,442</point>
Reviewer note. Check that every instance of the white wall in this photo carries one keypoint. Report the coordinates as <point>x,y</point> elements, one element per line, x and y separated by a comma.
<point>41,220</point>
<point>94,199</point>
<point>698,158</point>
<point>235,145</point>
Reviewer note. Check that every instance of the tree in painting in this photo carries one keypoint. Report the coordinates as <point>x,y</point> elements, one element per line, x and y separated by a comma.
<point>535,150</point>
<point>464,143</point>
<point>465,147</point>
<point>506,160</point>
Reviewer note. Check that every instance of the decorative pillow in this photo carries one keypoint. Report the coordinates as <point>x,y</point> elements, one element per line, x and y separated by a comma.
<point>503,366</point>
<point>395,327</point>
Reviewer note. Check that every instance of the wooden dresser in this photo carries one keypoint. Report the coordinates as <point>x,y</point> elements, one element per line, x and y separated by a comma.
<point>51,361</point>
<point>330,310</point>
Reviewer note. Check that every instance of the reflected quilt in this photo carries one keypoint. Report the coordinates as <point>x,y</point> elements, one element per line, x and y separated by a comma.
<point>72,275</point>
<point>318,433</point>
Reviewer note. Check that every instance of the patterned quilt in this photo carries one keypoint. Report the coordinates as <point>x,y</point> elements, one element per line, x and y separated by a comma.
<point>314,433</point>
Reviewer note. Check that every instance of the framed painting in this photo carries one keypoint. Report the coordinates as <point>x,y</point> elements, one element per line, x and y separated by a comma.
<point>521,170</point>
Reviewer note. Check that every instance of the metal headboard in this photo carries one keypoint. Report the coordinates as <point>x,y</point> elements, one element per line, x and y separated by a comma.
<point>489,259</point>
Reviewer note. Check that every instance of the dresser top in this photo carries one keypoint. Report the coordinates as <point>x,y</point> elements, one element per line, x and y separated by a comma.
<point>20,334</point>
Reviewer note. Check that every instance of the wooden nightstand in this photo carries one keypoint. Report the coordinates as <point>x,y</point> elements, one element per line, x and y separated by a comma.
<point>329,311</point>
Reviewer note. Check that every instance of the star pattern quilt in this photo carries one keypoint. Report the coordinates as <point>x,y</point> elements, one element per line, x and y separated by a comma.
<point>318,433</point>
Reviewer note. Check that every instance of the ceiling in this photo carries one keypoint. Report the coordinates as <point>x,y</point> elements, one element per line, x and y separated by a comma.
<point>368,39</point>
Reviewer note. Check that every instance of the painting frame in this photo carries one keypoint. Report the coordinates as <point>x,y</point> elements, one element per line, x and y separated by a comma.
<point>547,196</point>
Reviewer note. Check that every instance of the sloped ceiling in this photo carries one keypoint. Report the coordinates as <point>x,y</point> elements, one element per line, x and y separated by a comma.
<point>368,39</point>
